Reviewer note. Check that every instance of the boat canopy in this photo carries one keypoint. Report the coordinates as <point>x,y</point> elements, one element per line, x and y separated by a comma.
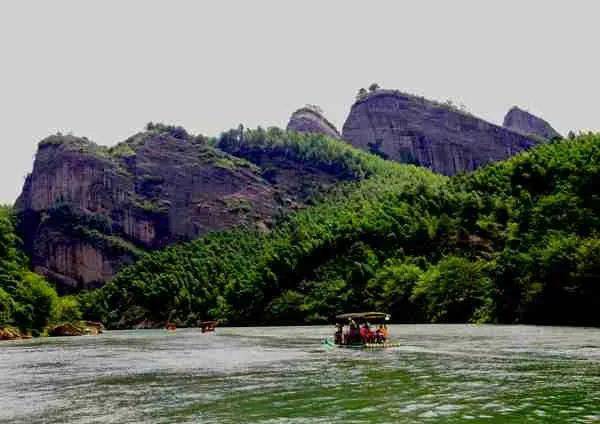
<point>360,317</point>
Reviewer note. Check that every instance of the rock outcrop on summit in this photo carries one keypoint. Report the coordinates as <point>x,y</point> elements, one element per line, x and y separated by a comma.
<point>411,129</point>
<point>310,119</point>
<point>87,210</point>
<point>523,122</point>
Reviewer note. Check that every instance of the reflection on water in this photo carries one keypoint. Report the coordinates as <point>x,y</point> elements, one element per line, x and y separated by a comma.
<point>449,373</point>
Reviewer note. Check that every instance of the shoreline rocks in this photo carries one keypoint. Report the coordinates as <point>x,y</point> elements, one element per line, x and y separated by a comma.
<point>76,329</point>
<point>12,333</point>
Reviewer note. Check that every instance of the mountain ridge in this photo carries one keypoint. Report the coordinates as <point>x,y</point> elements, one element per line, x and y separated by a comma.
<point>412,129</point>
<point>87,210</point>
<point>514,242</point>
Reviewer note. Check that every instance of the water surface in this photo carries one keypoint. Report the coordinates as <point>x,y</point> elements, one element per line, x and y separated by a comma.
<point>441,373</point>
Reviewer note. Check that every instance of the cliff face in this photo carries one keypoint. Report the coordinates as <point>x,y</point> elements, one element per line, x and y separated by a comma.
<point>310,119</point>
<point>295,182</point>
<point>86,210</point>
<point>523,122</point>
<point>411,129</point>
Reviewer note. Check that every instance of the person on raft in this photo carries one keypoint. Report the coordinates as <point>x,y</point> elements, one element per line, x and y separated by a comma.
<point>366,334</point>
<point>353,333</point>
<point>339,336</point>
<point>369,336</point>
<point>381,334</point>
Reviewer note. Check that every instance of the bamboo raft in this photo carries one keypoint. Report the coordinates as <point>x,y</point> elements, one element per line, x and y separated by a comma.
<point>328,343</point>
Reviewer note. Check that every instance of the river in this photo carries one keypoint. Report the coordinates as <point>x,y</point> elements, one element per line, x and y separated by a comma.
<point>440,373</point>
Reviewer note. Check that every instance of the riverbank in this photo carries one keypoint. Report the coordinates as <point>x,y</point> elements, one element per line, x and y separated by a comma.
<point>68,329</point>
<point>12,333</point>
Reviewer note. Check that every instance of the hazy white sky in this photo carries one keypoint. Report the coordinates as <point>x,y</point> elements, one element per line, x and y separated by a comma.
<point>103,69</point>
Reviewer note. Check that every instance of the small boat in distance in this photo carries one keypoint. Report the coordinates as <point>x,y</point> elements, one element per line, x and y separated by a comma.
<point>362,330</point>
<point>169,326</point>
<point>208,326</point>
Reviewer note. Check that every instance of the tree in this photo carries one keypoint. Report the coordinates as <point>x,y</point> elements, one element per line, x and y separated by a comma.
<point>454,290</point>
<point>392,287</point>
<point>6,308</point>
<point>67,310</point>
<point>361,93</point>
<point>288,308</point>
<point>315,108</point>
<point>450,104</point>
<point>373,87</point>
<point>36,302</point>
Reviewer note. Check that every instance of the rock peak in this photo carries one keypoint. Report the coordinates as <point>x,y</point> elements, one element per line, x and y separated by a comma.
<point>310,119</point>
<point>440,136</point>
<point>523,122</point>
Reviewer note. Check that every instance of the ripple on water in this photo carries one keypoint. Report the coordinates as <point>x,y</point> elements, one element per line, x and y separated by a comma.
<point>271,375</point>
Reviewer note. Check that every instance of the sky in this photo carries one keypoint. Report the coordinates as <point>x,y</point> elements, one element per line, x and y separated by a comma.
<point>103,69</point>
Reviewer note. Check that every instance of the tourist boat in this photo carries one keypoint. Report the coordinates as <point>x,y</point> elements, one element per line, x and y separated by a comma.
<point>208,326</point>
<point>354,331</point>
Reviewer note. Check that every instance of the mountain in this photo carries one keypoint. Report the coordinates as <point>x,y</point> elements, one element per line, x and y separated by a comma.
<point>516,241</point>
<point>412,129</point>
<point>523,122</point>
<point>87,210</point>
<point>242,270</point>
<point>310,119</point>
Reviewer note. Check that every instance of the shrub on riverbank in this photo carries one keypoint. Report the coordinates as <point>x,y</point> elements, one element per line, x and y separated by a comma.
<point>27,302</point>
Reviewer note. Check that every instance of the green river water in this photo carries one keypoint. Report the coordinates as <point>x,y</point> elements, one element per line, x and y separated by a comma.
<point>440,373</point>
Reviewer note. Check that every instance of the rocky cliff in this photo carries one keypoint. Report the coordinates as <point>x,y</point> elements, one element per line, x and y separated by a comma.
<point>310,119</point>
<point>87,210</point>
<point>411,129</point>
<point>523,122</point>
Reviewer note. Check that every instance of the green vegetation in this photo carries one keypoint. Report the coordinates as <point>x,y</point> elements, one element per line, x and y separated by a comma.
<point>335,156</point>
<point>96,229</point>
<point>122,151</point>
<point>71,142</point>
<point>27,301</point>
<point>539,215</point>
<point>513,242</point>
<point>236,274</point>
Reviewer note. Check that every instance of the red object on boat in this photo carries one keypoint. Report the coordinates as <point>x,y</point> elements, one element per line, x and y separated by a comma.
<point>208,326</point>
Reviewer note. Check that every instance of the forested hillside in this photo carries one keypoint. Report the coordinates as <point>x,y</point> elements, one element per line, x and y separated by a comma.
<point>513,242</point>
<point>539,217</point>
<point>239,275</point>
<point>87,210</point>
